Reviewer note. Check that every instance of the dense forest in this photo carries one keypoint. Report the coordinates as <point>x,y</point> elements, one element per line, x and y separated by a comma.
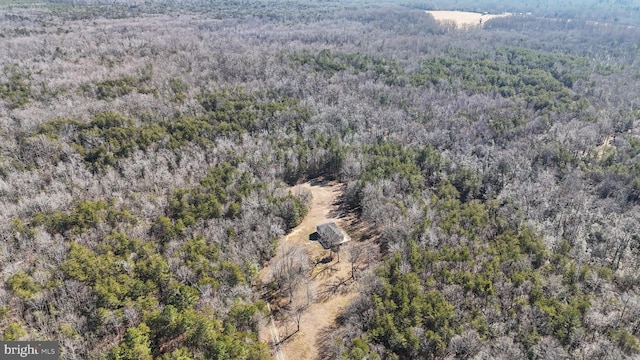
<point>148,148</point>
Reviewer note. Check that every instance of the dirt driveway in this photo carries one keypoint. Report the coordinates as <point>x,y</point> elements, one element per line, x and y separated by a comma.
<point>330,280</point>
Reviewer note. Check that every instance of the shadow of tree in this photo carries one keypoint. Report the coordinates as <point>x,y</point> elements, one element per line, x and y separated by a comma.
<point>340,286</point>
<point>320,181</point>
<point>329,343</point>
<point>342,205</point>
<point>325,271</point>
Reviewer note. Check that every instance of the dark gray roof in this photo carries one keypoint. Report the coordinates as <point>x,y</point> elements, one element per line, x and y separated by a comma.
<point>330,234</point>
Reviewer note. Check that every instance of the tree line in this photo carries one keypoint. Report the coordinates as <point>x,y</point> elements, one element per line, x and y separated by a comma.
<point>147,151</point>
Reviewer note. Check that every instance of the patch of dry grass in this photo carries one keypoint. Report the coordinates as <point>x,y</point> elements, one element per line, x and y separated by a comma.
<point>463,18</point>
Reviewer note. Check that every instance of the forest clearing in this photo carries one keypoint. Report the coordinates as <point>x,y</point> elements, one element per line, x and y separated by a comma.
<point>327,287</point>
<point>464,18</point>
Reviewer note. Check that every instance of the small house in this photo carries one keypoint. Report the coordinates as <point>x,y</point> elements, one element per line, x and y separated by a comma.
<point>330,235</point>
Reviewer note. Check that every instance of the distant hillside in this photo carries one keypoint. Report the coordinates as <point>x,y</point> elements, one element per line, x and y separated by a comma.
<point>611,11</point>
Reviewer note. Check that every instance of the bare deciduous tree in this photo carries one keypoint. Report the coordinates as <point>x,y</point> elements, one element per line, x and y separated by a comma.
<point>290,269</point>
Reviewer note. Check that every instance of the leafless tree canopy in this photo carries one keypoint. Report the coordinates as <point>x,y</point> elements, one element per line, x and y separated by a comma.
<point>147,147</point>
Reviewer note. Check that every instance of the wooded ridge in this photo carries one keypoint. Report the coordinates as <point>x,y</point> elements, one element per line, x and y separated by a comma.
<point>148,148</point>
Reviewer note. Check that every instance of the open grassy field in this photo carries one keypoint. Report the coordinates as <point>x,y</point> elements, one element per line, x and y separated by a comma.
<point>463,18</point>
